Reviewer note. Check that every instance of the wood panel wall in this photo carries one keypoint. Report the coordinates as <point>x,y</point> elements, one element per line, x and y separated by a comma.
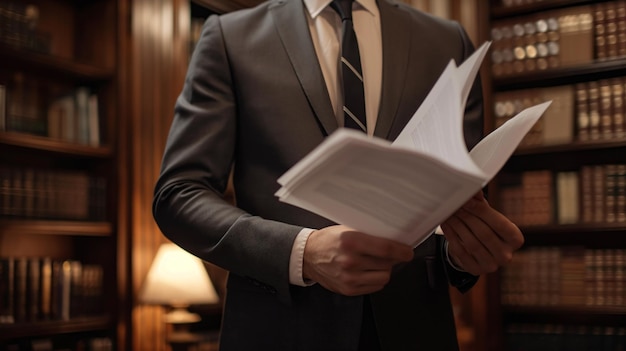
<point>158,60</point>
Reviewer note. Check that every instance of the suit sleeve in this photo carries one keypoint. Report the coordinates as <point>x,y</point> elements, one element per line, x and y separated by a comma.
<point>188,203</point>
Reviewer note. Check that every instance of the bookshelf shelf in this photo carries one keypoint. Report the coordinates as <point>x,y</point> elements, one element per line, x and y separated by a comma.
<point>500,11</point>
<point>563,75</point>
<point>225,6</point>
<point>56,227</point>
<point>566,314</point>
<point>51,65</point>
<point>60,197</point>
<point>575,234</point>
<point>563,157</point>
<point>45,328</point>
<point>48,145</point>
<point>572,148</point>
<point>570,169</point>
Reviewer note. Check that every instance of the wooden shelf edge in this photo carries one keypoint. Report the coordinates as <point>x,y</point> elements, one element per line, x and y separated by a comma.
<point>43,328</point>
<point>585,315</point>
<point>564,75</point>
<point>219,6</point>
<point>17,57</point>
<point>499,12</point>
<point>41,143</point>
<point>52,227</point>
<point>572,147</point>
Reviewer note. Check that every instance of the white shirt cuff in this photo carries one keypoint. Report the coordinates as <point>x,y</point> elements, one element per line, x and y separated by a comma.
<point>445,248</point>
<point>297,257</point>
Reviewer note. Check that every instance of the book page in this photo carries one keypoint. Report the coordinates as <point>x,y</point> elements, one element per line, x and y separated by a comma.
<point>436,127</point>
<point>492,152</point>
<point>378,189</point>
<point>405,189</point>
<point>468,70</point>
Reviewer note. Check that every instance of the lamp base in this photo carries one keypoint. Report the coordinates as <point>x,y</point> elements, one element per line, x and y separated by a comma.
<point>180,315</point>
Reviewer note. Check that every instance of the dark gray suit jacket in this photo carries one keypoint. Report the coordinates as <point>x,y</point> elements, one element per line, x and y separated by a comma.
<point>255,99</point>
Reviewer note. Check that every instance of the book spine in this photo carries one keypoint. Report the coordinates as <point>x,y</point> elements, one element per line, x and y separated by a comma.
<point>582,112</point>
<point>599,17</point>
<point>593,93</point>
<point>617,95</point>
<point>21,290</point>
<point>7,290</point>
<point>33,289</point>
<point>620,200</point>
<point>610,16</point>
<point>610,197</point>
<point>620,10</point>
<point>576,35</point>
<point>45,296</point>
<point>606,110</point>
<point>599,192</point>
<point>3,108</point>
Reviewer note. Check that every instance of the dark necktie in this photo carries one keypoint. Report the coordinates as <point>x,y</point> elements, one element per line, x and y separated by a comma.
<point>352,75</point>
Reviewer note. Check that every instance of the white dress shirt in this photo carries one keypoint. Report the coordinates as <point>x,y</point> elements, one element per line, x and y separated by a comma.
<point>325,27</point>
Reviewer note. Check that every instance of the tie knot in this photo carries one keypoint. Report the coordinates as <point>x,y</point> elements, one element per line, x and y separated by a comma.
<point>343,8</point>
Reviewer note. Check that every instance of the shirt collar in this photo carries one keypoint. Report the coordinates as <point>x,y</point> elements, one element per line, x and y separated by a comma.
<point>314,7</point>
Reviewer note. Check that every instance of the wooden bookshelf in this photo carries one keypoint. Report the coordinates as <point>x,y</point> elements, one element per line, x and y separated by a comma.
<point>509,322</point>
<point>61,191</point>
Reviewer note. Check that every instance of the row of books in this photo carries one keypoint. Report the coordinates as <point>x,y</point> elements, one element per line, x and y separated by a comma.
<point>555,127</point>
<point>587,111</point>
<point>73,116</point>
<point>563,37</point>
<point>600,109</point>
<point>98,343</point>
<point>558,337</point>
<point>36,289</point>
<point>19,26</point>
<point>517,3</point>
<point>565,276</point>
<point>51,194</point>
<point>610,30</point>
<point>543,40</point>
<point>593,194</point>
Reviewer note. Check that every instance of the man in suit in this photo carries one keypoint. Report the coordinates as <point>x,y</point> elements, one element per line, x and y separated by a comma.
<point>263,90</point>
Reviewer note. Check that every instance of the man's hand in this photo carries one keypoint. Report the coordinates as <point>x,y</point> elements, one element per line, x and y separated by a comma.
<point>349,262</point>
<point>480,238</point>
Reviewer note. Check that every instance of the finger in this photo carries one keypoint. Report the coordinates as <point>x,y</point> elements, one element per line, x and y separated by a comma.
<point>499,223</point>
<point>498,249</point>
<point>359,262</point>
<point>387,249</point>
<point>362,282</point>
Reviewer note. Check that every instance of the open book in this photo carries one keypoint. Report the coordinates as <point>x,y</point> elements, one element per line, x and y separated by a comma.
<point>405,189</point>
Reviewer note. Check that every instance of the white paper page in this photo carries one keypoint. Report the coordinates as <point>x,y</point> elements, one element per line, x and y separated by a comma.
<point>300,172</point>
<point>316,156</point>
<point>492,152</point>
<point>435,128</point>
<point>467,71</point>
<point>437,125</point>
<point>389,194</point>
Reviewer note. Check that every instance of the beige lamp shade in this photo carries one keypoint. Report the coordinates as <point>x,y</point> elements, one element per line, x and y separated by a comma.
<point>177,278</point>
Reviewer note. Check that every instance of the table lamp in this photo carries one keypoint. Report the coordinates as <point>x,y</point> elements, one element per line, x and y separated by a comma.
<point>178,279</point>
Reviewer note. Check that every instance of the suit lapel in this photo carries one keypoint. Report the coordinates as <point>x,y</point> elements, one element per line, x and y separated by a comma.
<point>294,34</point>
<point>396,47</point>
